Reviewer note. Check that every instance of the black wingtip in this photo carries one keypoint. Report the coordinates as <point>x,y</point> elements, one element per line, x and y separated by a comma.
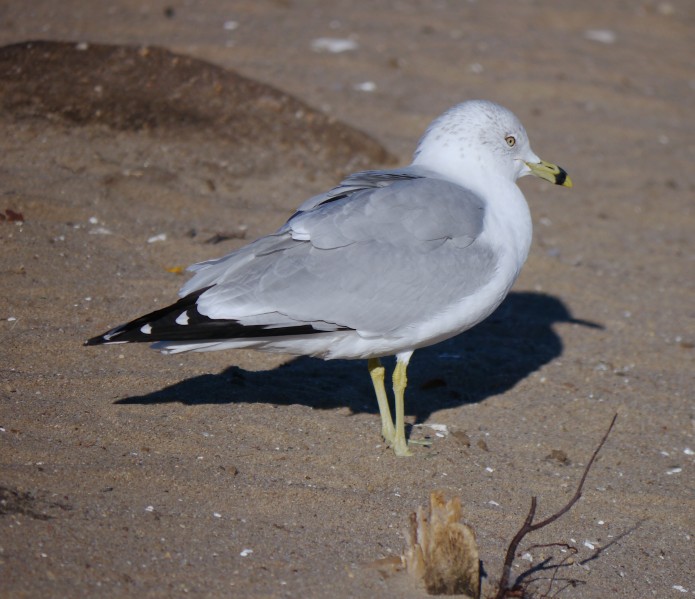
<point>164,325</point>
<point>106,337</point>
<point>132,332</point>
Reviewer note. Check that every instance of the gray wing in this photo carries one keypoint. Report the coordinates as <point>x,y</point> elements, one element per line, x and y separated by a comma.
<point>209,271</point>
<point>376,260</point>
<point>366,180</point>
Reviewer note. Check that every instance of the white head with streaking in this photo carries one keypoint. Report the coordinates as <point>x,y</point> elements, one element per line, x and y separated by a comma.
<point>478,141</point>
<point>385,263</point>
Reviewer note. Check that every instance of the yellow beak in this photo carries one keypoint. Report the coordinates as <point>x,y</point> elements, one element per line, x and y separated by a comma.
<point>550,172</point>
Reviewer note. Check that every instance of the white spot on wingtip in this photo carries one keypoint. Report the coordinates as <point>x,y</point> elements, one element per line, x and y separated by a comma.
<point>146,329</point>
<point>107,338</point>
<point>182,318</point>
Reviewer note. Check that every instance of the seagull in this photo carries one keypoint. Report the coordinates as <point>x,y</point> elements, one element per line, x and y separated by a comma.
<point>387,262</point>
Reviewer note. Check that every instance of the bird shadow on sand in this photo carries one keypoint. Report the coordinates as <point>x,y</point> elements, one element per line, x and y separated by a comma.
<point>487,360</point>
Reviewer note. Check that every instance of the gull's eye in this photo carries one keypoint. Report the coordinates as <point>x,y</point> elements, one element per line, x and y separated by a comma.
<point>511,140</point>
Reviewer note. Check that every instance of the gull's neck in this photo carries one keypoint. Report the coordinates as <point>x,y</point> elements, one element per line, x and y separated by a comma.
<point>467,170</point>
<point>507,214</point>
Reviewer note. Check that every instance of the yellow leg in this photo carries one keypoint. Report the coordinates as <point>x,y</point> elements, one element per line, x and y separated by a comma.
<point>377,371</point>
<point>400,381</point>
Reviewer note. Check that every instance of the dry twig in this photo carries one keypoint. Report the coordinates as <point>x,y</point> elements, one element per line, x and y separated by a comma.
<point>528,525</point>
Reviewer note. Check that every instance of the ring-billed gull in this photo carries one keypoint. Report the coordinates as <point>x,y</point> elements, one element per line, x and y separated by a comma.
<point>383,264</point>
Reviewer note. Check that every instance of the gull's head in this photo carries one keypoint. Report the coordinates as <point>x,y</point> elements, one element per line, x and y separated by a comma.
<point>479,140</point>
